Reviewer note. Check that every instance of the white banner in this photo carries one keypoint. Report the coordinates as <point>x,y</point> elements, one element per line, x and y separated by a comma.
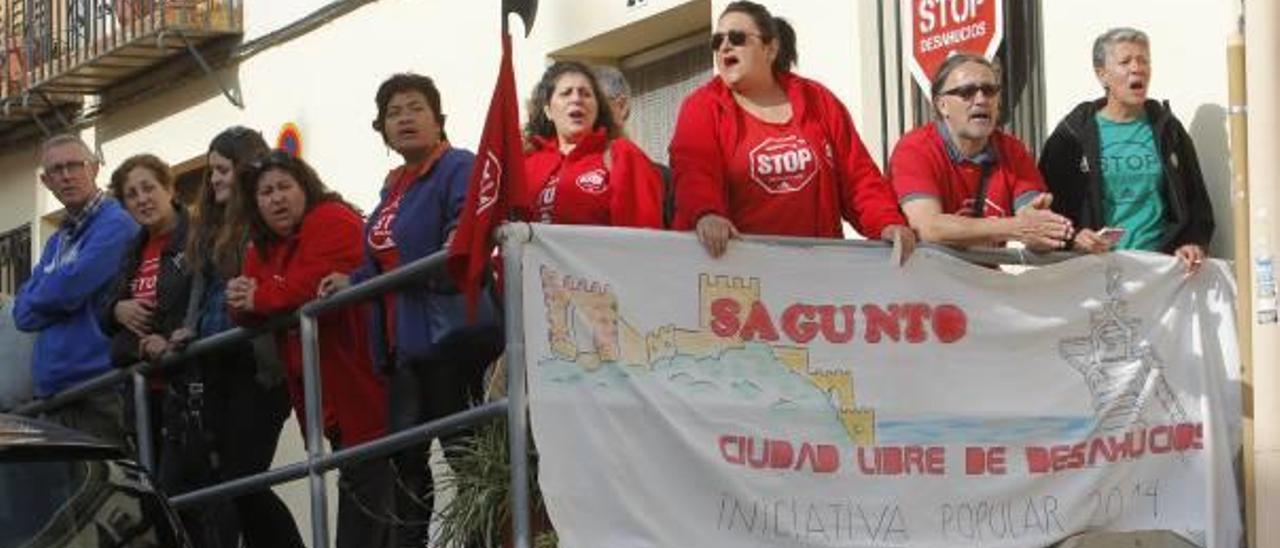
<point>819,396</point>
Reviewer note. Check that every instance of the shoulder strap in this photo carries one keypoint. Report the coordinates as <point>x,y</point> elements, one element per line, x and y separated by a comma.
<point>980,197</point>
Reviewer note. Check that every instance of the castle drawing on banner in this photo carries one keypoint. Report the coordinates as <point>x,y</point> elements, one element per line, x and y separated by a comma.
<point>585,327</point>
<point>1120,368</point>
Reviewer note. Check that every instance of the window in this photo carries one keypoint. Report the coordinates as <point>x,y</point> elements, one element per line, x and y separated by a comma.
<point>15,258</point>
<point>660,79</point>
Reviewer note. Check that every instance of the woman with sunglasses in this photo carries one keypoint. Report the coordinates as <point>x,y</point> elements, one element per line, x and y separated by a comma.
<point>243,393</point>
<point>300,232</point>
<point>761,150</point>
<point>964,182</point>
<point>579,167</point>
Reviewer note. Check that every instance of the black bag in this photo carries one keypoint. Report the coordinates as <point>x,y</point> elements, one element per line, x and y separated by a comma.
<point>455,336</point>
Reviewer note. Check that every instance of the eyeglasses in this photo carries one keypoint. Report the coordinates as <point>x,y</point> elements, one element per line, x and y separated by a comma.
<point>66,169</point>
<point>968,92</point>
<point>736,38</point>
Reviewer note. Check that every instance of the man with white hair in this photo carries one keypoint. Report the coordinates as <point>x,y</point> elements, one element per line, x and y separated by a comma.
<point>1123,168</point>
<point>70,287</point>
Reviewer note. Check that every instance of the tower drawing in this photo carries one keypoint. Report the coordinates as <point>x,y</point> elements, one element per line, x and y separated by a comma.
<point>712,288</point>
<point>1120,369</point>
<point>585,327</point>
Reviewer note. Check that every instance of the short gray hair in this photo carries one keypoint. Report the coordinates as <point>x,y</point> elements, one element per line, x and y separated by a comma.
<point>612,82</point>
<point>1114,36</point>
<point>65,139</point>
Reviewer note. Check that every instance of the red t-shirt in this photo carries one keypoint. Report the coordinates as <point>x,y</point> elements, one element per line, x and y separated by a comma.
<point>776,177</point>
<point>923,167</point>
<point>143,286</point>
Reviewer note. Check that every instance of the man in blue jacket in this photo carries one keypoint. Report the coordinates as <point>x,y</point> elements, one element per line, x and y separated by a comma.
<point>68,289</point>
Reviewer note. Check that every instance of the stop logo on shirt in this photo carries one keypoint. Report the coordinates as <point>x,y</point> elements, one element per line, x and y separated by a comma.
<point>782,165</point>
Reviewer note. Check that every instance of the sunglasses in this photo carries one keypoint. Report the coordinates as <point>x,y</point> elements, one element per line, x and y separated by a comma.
<point>736,38</point>
<point>968,92</point>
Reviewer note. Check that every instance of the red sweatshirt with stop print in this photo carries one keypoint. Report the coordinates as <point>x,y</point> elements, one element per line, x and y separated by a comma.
<point>797,178</point>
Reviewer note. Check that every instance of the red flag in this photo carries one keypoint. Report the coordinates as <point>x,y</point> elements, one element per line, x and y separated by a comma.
<point>496,185</point>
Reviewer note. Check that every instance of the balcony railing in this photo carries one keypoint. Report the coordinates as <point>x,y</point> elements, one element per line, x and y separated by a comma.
<point>85,46</point>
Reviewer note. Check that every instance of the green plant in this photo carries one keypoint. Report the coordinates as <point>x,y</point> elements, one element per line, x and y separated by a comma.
<point>479,511</point>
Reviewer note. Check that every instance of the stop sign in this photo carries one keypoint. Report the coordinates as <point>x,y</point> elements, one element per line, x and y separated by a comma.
<point>941,27</point>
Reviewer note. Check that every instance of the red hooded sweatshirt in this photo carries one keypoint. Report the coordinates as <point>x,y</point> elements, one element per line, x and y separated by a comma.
<point>799,178</point>
<point>588,186</point>
<point>330,240</point>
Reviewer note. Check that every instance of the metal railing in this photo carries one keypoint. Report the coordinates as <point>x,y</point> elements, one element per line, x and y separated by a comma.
<point>513,237</point>
<point>318,462</point>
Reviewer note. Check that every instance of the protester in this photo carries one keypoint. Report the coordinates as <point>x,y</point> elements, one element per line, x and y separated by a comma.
<point>245,402</point>
<point>617,92</point>
<point>149,294</point>
<point>964,182</point>
<point>762,150</point>
<point>299,232</point>
<point>1123,168</point>
<point>579,167</point>
<point>66,296</point>
<point>421,200</point>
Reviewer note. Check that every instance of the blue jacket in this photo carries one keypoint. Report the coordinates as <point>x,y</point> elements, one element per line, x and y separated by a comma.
<point>428,210</point>
<point>68,291</point>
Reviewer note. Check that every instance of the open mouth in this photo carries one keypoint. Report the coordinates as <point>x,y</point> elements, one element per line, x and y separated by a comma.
<point>729,61</point>
<point>983,117</point>
<point>407,133</point>
<point>1137,86</point>
<point>577,116</point>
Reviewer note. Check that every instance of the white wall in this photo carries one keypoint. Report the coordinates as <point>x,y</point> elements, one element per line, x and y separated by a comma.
<point>18,199</point>
<point>1189,68</point>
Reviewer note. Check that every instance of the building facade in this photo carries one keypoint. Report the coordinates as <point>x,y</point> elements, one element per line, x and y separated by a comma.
<point>164,76</point>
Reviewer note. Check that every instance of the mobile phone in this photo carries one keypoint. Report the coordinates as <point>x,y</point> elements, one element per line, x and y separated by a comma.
<point>1111,234</point>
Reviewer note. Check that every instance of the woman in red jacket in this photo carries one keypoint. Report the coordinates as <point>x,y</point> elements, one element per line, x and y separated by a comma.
<point>580,169</point>
<point>760,150</point>
<point>300,231</point>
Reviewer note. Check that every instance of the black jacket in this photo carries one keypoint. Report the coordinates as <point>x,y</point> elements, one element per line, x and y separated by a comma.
<point>1070,163</point>
<point>173,287</point>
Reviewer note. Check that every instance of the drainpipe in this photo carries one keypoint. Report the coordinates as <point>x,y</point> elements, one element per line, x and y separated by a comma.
<point>1237,118</point>
<point>1263,45</point>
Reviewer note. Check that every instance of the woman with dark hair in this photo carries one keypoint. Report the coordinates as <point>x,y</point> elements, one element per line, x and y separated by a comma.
<point>241,389</point>
<point>579,167</point>
<point>761,150</point>
<point>299,232</point>
<point>419,209</point>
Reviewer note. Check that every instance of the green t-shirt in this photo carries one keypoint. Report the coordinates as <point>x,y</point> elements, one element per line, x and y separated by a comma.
<point>1132,176</point>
